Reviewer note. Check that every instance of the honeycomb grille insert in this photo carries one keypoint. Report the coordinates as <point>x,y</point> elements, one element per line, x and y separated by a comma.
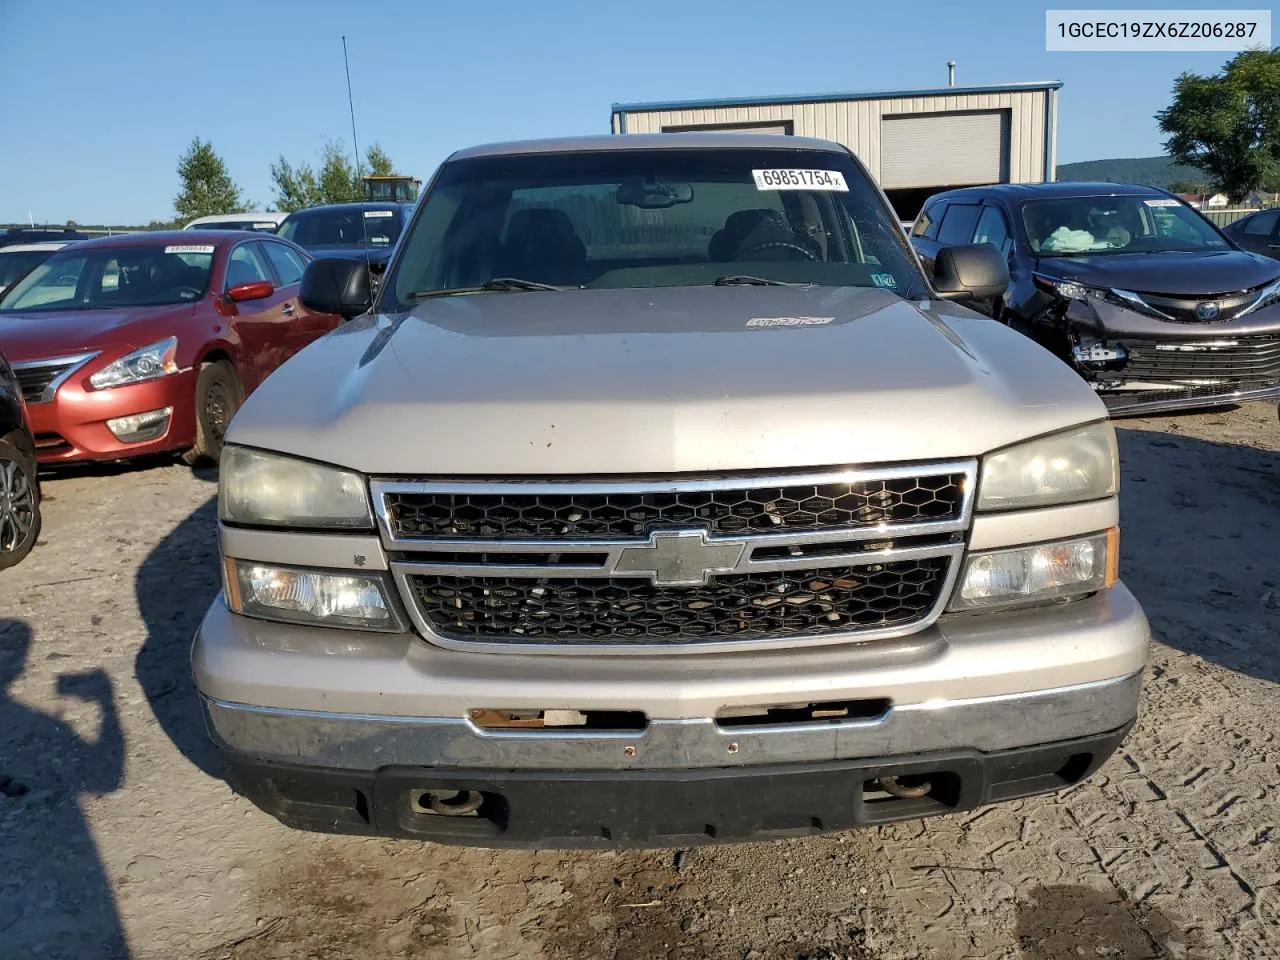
<point>567,610</point>
<point>749,510</point>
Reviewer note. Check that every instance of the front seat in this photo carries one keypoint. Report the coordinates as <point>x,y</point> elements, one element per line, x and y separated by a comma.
<point>541,245</point>
<point>726,241</point>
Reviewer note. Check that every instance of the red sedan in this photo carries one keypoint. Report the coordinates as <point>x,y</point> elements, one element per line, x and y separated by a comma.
<point>149,342</point>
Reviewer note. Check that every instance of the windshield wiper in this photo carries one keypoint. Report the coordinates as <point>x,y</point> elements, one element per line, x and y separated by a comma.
<point>743,280</point>
<point>496,285</point>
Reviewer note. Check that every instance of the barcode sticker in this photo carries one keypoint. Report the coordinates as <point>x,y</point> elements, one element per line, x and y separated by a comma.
<point>379,213</point>
<point>190,248</point>
<point>1162,203</point>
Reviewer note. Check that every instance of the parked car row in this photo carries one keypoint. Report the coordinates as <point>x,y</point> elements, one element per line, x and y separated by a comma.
<point>1151,303</point>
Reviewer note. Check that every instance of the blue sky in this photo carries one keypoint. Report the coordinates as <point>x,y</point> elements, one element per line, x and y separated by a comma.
<point>100,98</point>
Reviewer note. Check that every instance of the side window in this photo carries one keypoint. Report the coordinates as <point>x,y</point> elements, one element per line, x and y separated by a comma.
<point>993,229</point>
<point>1262,224</point>
<point>926,224</point>
<point>288,264</point>
<point>957,225</point>
<point>245,265</point>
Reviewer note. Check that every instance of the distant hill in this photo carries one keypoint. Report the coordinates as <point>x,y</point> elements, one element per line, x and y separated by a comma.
<point>1152,171</point>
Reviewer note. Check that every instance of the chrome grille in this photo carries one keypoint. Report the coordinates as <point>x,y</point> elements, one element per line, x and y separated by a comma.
<point>1246,361</point>
<point>39,379</point>
<point>513,513</point>
<point>703,563</point>
<point>1183,309</point>
<point>628,610</point>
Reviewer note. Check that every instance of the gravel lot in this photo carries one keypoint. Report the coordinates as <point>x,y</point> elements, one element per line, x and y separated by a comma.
<point>126,842</point>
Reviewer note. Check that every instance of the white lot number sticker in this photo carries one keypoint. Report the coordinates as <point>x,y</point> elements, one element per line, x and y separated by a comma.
<point>379,213</point>
<point>264,226</point>
<point>190,248</point>
<point>800,180</point>
<point>1162,203</point>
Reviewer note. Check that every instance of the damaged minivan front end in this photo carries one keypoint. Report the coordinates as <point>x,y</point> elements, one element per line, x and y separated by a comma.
<point>1147,352</point>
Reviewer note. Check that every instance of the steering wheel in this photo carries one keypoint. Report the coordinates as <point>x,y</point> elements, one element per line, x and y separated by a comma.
<point>778,245</point>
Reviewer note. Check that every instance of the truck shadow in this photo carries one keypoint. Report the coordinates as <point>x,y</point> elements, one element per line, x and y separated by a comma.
<point>1199,524</point>
<point>175,585</point>
<point>55,896</point>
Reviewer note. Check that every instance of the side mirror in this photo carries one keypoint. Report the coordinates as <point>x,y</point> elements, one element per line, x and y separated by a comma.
<point>974,271</point>
<point>257,290</point>
<point>335,285</point>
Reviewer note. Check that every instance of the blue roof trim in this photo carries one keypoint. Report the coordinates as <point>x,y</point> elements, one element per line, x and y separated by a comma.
<point>832,97</point>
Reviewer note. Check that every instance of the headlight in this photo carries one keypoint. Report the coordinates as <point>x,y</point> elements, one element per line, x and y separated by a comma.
<point>1068,467</point>
<point>266,489</point>
<point>1047,571</point>
<point>149,363</point>
<point>314,597</point>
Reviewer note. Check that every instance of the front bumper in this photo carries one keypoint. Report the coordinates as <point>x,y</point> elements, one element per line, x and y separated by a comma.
<point>336,730</point>
<point>72,426</point>
<point>1169,366</point>
<point>658,808</point>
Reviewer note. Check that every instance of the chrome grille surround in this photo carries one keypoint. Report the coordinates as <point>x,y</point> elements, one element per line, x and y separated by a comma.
<point>671,562</point>
<point>40,379</point>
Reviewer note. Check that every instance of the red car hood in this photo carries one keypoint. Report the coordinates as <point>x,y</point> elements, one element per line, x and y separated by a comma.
<point>35,335</point>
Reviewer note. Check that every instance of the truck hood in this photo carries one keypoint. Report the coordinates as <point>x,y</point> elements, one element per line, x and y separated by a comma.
<point>663,380</point>
<point>36,335</point>
<point>1174,273</point>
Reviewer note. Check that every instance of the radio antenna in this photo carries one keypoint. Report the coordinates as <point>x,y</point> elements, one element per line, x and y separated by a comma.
<point>355,143</point>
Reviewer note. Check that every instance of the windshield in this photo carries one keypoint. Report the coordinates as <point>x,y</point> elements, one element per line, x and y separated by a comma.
<point>14,264</point>
<point>262,226</point>
<point>1103,225</point>
<point>317,229</point>
<point>106,277</point>
<point>652,218</point>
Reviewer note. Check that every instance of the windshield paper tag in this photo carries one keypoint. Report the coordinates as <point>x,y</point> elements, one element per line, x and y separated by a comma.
<point>1162,203</point>
<point>190,248</point>
<point>788,321</point>
<point>800,180</point>
<point>264,226</point>
<point>884,280</point>
<point>379,213</point>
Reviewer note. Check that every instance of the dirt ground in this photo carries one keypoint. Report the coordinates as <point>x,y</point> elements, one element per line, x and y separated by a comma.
<point>126,842</point>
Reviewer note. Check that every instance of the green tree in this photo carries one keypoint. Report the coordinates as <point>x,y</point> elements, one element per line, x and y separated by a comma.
<point>295,187</point>
<point>207,188</point>
<point>339,182</point>
<point>1229,124</point>
<point>378,162</point>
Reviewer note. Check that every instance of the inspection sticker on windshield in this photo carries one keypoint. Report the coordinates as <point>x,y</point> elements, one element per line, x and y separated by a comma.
<point>1162,203</point>
<point>190,248</point>
<point>800,180</point>
<point>379,213</point>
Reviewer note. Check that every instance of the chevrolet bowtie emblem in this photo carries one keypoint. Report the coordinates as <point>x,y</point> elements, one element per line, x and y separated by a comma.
<point>679,558</point>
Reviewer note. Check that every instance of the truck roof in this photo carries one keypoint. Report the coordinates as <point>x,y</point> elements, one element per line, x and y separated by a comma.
<point>606,143</point>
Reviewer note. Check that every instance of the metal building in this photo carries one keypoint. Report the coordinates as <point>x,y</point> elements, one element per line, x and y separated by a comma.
<point>915,142</point>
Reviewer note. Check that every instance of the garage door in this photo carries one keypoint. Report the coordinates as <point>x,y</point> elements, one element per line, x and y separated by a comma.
<point>944,149</point>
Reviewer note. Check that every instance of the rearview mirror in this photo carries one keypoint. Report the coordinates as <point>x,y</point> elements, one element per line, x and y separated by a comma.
<point>653,194</point>
<point>335,285</point>
<point>974,271</point>
<point>256,290</point>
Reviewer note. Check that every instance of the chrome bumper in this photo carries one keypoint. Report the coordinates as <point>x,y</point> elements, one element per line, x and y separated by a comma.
<point>367,743</point>
<point>1137,403</point>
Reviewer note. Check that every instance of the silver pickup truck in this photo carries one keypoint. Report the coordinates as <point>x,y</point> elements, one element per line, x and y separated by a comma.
<point>657,497</point>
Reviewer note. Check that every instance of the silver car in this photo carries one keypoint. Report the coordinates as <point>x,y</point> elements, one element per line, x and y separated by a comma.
<point>659,498</point>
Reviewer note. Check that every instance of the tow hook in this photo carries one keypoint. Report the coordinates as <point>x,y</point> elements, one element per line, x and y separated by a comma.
<point>891,786</point>
<point>453,803</point>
